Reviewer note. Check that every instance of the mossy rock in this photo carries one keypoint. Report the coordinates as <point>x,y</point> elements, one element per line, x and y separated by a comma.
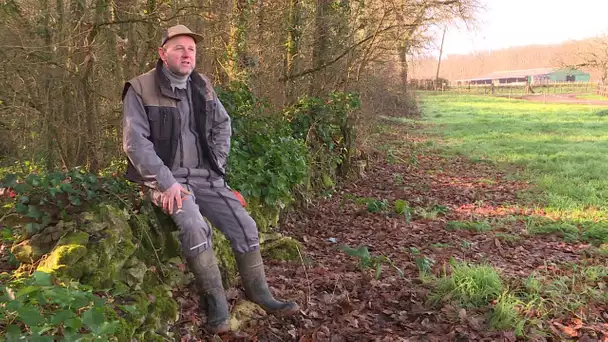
<point>225,258</point>
<point>161,310</point>
<point>146,315</point>
<point>32,249</point>
<point>242,313</point>
<point>112,248</point>
<point>69,250</point>
<point>266,217</point>
<point>26,252</point>
<point>157,232</point>
<point>281,247</point>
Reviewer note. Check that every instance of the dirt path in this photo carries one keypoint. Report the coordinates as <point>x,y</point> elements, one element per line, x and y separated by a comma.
<point>342,303</point>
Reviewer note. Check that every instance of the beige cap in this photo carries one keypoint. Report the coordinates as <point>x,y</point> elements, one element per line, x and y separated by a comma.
<point>179,30</point>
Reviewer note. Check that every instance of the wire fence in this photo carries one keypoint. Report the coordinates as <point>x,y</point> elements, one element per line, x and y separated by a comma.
<point>518,89</point>
<point>602,90</point>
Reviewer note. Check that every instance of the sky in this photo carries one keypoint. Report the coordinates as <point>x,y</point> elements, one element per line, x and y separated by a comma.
<point>505,23</point>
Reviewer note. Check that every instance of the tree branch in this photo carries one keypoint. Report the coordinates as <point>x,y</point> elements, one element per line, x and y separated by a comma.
<point>340,56</point>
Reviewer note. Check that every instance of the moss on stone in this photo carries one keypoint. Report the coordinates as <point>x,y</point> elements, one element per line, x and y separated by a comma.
<point>266,217</point>
<point>162,309</point>
<point>283,248</point>
<point>225,258</point>
<point>68,251</point>
<point>113,248</point>
<point>133,276</point>
<point>156,231</point>
<point>242,313</point>
<point>125,329</point>
<point>26,252</point>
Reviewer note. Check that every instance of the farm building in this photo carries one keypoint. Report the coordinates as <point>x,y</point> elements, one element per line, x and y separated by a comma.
<point>532,76</point>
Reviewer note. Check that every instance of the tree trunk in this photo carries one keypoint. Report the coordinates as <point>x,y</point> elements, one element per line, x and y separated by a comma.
<point>320,46</point>
<point>237,45</point>
<point>403,52</point>
<point>292,50</point>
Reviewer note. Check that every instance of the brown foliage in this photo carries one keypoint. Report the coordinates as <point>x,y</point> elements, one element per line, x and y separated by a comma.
<point>454,67</point>
<point>65,61</point>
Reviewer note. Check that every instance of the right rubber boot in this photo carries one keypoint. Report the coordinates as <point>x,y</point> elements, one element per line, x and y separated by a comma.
<point>211,291</point>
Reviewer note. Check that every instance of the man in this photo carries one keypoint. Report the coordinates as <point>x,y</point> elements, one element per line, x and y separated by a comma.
<point>177,139</point>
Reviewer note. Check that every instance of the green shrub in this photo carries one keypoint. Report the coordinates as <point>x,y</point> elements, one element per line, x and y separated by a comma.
<point>43,198</point>
<point>38,310</point>
<point>266,161</point>
<point>326,125</point>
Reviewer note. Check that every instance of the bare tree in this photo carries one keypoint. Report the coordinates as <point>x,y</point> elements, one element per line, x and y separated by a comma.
<point>595,56</point>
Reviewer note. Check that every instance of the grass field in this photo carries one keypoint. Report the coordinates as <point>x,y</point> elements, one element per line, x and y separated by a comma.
<point>562,148</point>
<point>592,96</point>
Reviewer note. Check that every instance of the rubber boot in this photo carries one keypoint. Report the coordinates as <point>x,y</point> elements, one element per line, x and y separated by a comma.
<point>211,291</point>
<point>251,269</point>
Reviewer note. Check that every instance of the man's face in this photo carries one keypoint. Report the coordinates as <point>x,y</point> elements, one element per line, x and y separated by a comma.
<point>179,55</point>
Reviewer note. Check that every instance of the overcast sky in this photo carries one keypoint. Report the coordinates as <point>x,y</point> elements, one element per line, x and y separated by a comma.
<point>505,23</point>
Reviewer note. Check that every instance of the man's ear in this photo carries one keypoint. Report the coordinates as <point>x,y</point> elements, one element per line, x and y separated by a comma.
<point>162,54</point>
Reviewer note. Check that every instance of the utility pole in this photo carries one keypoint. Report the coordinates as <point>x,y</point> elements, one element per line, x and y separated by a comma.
<point>440,55</point>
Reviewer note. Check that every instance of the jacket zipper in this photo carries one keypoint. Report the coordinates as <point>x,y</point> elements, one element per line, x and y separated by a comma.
<point>181,142</point>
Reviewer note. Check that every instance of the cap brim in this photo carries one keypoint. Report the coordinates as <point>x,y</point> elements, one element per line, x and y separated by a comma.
<point>197,37</point>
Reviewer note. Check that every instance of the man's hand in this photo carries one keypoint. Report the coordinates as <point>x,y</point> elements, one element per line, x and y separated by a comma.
<point>173,195</point>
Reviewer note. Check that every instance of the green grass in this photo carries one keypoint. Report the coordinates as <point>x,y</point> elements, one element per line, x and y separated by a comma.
<point>469,225</point>
<point>468,285</point>
<point>592,96</point>
<point>562,148</point>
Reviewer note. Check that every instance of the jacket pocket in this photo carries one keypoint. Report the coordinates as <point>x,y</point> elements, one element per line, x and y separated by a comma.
<point>160,123</point>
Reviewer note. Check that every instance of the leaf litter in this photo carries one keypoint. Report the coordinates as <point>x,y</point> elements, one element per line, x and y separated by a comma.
<point>341,302</point>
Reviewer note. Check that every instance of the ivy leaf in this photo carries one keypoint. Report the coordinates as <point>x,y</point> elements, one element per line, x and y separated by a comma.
<point>30,315</point>
<point>13,333</point>
<point>66,187</point>
<point>21,208</point>
<point>33,180</point>
<point>38,338</point>
<point>21,188</point>
<point>74,323</point>
<point>54,191</point>
<point>42,278</point>
<point>70,335</point>
<point>75,200</point>
<point>91,179</point>
<point>130,309</point>
<point>32,228</point>
<point>61,317</point>
<point>93,319</point>
<point>26,291</point>
<point>9,181</point>
<point>33,212</point>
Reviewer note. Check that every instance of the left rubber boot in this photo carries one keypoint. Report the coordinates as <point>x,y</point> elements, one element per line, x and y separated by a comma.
<point>251,269</point>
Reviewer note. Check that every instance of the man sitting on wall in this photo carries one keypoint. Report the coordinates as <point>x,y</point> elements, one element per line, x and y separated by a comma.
<point>177,139</point>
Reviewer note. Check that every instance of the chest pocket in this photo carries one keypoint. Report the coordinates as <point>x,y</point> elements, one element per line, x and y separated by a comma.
<point>161,122</point>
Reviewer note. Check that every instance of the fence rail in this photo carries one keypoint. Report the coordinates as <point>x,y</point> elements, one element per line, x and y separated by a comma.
<point>602,90</point>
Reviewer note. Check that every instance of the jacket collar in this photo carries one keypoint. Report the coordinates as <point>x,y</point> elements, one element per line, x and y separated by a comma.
<point>165,85</point>
<point>163,82</point>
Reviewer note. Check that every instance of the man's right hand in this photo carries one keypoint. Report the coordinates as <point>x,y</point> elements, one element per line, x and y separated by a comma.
<point>173,195</point>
